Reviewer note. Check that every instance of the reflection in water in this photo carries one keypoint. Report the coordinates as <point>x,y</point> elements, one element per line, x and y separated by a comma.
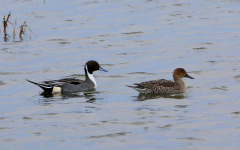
<point>50,97</point>
<point>143,97</point>
<point>60,95</point>
<point>90,95</point>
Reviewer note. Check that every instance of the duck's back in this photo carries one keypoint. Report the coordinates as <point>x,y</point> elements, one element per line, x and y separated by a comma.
<point>161,86</point>
<point>62,82</point>
<point>70,85</point>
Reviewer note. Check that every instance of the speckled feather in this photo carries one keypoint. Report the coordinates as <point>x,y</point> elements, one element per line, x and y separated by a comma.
<point>159,87</point>
<point>163,86</point>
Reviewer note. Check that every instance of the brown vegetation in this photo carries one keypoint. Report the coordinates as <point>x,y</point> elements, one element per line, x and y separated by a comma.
<point>23,29</point>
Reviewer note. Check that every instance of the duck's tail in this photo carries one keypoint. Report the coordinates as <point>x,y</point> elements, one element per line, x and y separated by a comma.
<point>140,89</point>
<point>45,87</point>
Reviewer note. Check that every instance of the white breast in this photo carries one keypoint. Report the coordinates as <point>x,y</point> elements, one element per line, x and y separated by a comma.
<point>91,77</point>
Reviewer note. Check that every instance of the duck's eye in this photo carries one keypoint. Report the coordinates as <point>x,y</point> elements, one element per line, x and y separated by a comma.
<point>183,71</point>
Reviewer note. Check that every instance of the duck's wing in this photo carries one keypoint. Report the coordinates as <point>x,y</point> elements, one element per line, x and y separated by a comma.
<point>161,82</point>
<point>61,82</point>
<point>154,86</point>
<point>49,85</point>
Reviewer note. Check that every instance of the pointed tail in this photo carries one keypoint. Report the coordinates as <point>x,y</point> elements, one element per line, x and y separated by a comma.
<point>45,87</point>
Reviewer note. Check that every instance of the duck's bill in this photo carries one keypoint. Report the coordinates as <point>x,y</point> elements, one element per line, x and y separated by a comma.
<point>101,69</point>
<point>188,76</point>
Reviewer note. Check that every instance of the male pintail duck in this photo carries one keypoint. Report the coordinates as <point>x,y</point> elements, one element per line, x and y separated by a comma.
<point>71,84</point>
<point>163,86</point>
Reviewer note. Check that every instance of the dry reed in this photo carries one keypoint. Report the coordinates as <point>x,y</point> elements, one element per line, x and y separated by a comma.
<point>23,29</point>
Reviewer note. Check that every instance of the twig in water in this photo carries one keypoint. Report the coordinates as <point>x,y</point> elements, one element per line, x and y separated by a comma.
<point>5,25</point>
<point>23,29</point>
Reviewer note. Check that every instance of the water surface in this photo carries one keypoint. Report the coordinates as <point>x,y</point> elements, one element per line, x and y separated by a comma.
<point>135,41</point>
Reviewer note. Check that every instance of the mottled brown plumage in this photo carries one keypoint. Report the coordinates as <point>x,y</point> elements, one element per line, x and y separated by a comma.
<point>163,86</point>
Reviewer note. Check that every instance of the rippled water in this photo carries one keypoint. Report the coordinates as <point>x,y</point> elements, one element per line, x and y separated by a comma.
<point>135,41</point>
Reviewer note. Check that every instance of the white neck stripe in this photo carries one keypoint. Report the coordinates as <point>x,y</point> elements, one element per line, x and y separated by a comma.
<point>91,77</point>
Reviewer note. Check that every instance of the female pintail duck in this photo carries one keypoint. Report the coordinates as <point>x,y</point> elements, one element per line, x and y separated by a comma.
<point>163,86</point>
<point>71,84</point>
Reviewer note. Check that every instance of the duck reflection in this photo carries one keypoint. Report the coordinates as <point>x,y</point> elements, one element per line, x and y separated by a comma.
<point>143,97</point>
<point>60,95</point>
<point>90,95</point>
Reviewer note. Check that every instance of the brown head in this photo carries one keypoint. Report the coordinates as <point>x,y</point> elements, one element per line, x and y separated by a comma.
<point>180,73</point>
<point>93,66</point>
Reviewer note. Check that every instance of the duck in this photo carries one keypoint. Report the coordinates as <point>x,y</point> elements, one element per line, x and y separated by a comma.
<point>71,85</point>
<point>163,86</point>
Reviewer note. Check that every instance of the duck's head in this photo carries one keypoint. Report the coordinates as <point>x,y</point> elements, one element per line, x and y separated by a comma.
<point>180,73</point>
<point>92,66</point>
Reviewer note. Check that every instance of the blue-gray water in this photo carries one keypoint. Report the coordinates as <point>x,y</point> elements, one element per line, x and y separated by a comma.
<point>135,41</point>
